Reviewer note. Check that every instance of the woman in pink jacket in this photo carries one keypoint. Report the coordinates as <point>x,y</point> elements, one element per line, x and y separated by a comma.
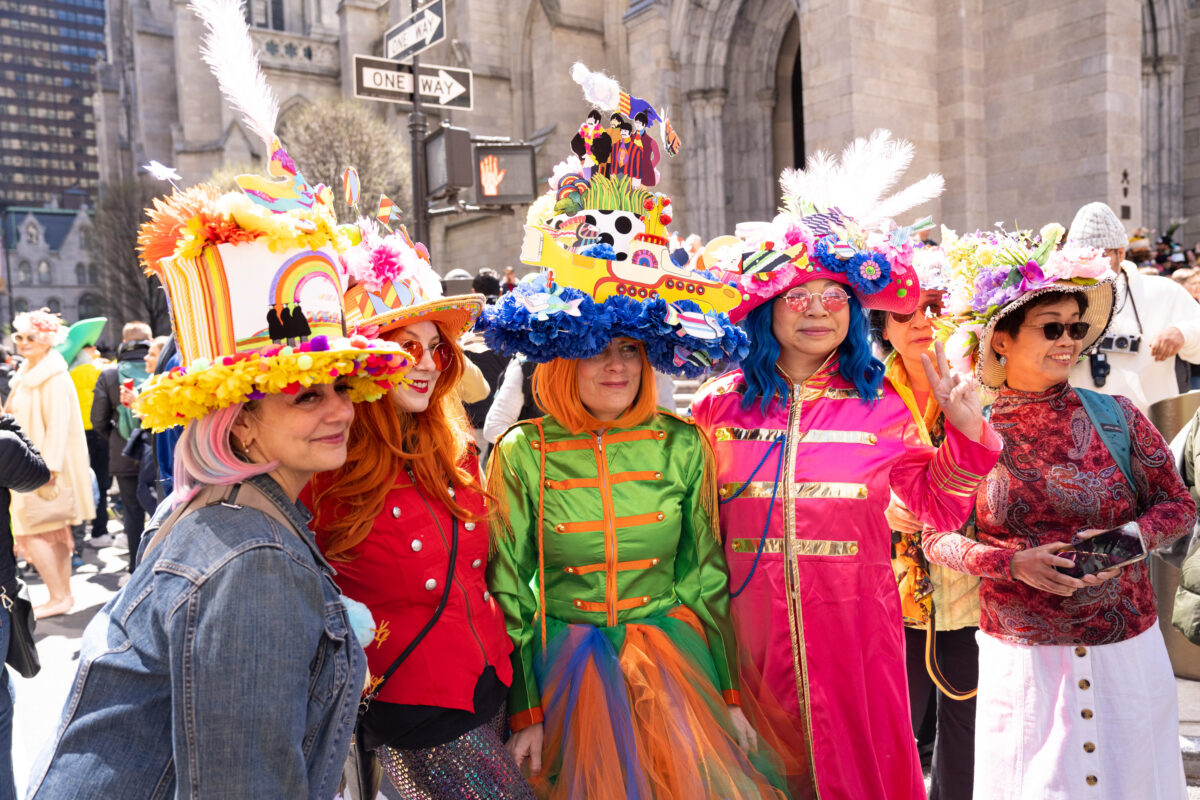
<point>809,440</point>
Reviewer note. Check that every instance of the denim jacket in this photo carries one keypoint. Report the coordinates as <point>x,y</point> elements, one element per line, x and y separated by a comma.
<point>226,668</point>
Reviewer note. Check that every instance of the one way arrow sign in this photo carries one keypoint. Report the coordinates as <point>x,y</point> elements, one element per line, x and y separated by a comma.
<point>392,82</point>
<point>417,32</point>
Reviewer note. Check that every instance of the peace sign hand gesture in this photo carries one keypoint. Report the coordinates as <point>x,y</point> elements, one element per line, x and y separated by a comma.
<point>956,394</point>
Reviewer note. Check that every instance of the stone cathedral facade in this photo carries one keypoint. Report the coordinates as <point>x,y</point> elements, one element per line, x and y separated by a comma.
<point>1029,108</point>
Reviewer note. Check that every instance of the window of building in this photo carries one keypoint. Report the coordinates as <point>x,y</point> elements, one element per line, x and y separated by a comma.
<point>80,274</point>
<point>93,275</point>
<point>265,14</point>
<point>44,276</point>
<point>24,274</point>
<point>20,304</point>
<point>31,231</point>
<point>55,305</point>
<point>90,305</point>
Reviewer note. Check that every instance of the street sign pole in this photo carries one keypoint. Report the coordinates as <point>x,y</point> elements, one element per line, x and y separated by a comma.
<point>418,126</point>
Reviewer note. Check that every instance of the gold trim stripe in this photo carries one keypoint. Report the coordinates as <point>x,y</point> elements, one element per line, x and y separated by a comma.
<point>839,437</point>
<point>800,491</point>
<point>809,437</point>
<point>951,478</point>
<point>800,547</point>
<point>745,434</point>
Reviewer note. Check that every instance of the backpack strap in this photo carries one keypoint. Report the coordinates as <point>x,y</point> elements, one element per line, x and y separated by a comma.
<point>213,495</point>
<point>1109,421</point>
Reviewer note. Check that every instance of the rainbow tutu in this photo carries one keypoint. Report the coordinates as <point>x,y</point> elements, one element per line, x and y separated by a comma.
<point>633,712</point>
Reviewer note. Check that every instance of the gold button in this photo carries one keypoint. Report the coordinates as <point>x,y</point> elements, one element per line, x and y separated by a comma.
<point>560,527</point>
<point>548,482</point>
<point>645,600</point>
<point>724,491</point>
<point>662,434</point>
<point>1081,651</point>
<point>862,491</point>
<point>469,526</point>
<point>1092,780</point>
<point>577,604</point>
<point>657,475</point>
<point>661,516</point>
<point>853,548</point>
<point>569,569</point>
<point>654,561</point>
<point>872,438</point>
<point>1089,747</point>
<point>536,445</point>
<point>1084,683</point>
<point>1086,713</point>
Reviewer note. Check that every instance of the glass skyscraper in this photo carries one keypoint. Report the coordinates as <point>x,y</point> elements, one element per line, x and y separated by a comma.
<point>48,54</point>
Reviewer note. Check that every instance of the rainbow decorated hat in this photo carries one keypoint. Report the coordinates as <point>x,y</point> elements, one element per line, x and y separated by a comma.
<point>836,225</point>
<point>599,236</point>
<point>393,284</point>
<point>253,278</point>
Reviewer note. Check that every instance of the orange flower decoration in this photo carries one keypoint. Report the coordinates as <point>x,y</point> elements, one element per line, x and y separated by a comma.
<point>159,235</point>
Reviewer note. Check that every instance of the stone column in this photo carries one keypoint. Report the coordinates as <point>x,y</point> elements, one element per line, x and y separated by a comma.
<point>360,28</point>
<point>705,173</point>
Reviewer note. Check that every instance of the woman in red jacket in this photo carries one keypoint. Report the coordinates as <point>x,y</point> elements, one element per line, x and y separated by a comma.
<point>404,523</point>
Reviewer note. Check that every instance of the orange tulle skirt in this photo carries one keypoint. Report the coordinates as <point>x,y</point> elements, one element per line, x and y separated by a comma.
<point>633,712</point>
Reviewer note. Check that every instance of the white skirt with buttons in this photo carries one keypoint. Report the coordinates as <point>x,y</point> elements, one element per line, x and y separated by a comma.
<point>1063,722</point>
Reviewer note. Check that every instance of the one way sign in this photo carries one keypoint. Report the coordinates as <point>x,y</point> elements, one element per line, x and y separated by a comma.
<point>416,33</point>
<point>392,82</point>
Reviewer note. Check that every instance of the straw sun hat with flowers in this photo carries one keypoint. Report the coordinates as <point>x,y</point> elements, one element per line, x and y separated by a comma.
<point>993,273</point>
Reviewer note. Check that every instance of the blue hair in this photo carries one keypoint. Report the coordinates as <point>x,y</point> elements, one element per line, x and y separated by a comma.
<point>857,363</point>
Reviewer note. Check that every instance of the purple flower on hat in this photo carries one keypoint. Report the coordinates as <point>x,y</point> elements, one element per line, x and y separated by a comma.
<point>1032,276</point>
<point>318,343</point>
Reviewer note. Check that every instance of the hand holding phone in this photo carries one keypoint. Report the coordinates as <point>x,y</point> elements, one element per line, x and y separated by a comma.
<point>1103,550</point>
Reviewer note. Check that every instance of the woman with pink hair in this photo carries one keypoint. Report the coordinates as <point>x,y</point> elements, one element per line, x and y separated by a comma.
<point>46,406</point>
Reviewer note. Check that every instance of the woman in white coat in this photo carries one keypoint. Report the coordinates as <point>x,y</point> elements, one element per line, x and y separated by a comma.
<point>44,402</point>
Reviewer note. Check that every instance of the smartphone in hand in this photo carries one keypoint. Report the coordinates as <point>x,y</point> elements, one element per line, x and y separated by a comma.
<point>1112,548</point>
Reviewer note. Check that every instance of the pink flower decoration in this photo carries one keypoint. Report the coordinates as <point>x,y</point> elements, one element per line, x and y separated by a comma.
<point>774,283</point>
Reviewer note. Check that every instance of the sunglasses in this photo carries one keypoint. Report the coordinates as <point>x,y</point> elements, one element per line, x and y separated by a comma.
<point>832,299</point>
<point>1054,330</point>
<point>441,353</point>
<point>929,308</point>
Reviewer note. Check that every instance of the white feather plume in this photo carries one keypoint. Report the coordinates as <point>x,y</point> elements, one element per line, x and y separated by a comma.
<point>599,89</point>
<point>859,182</point>
<point>230,54</point>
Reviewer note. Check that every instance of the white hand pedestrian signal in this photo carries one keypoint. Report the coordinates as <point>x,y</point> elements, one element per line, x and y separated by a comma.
<point>490,175</point>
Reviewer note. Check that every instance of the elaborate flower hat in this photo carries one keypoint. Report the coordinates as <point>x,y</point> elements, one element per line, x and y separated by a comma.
<point>600,238</point>
<point>394,284</point>
<point>836,224</point>
<point>992,273</point>
<point>253,277</point>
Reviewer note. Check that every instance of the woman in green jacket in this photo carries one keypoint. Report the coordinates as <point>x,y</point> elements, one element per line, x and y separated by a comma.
<point>629,678</point>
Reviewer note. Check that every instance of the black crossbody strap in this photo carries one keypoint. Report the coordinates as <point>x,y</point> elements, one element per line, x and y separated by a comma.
<point>366,701</point>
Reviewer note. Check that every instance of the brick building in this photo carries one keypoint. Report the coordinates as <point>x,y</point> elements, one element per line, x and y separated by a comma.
<point>1028,109</point>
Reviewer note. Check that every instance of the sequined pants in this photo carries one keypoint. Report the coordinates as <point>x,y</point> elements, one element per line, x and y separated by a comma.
<point>475,766</point>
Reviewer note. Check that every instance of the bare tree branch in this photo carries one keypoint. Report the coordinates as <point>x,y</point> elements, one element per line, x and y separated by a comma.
<point>128,293</point>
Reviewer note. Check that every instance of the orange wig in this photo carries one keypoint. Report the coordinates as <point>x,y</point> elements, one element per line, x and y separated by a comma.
<point>383,443</point>
<point>556,391</point>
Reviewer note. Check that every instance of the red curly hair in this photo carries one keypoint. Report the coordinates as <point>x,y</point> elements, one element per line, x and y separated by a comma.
<point>383,442</point>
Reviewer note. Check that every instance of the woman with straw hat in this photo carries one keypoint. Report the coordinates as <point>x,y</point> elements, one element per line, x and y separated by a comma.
<point>1076,693</point>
